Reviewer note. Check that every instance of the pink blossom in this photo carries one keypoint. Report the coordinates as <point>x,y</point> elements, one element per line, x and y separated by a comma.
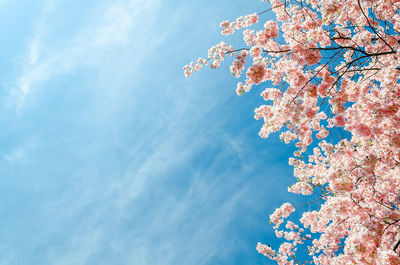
<point>256,73</point>
<point>283,212</point>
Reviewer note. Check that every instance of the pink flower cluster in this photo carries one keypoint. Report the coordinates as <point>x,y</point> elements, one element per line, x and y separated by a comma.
<point>190,68</point>
<point>271,94</point>
<point>238,64</point>
<point>270,31</point>
<point>241,22</point>
<point>256,73</point>
<point>216,54</point>
<point>282,212</point>
<point>305,55</point>
<point>242,88</point>
<point>265,250</point>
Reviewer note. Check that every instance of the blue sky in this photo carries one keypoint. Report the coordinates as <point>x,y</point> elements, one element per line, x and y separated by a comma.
<point>109,155</point>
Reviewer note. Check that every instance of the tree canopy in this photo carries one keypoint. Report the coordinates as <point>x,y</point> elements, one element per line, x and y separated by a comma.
<point>333,68</point>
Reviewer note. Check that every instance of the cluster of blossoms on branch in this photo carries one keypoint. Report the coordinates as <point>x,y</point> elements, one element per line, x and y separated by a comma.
<point>334,66</point>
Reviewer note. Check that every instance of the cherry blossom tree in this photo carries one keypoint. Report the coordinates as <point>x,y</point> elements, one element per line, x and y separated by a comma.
<point>334,68</point>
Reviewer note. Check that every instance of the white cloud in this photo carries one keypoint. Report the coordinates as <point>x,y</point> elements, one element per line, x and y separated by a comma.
<point>15,155</point>
<point>21,151</point>
<point>116,24</point>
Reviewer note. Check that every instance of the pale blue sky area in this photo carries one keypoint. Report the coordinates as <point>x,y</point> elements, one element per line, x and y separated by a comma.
<point>109,155</point>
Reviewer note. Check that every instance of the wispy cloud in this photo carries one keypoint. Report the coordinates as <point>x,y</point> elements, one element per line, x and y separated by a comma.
<point>115,24</point>
<point>149,216</point>
<point>15,155</point>
<point>20,151</point>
